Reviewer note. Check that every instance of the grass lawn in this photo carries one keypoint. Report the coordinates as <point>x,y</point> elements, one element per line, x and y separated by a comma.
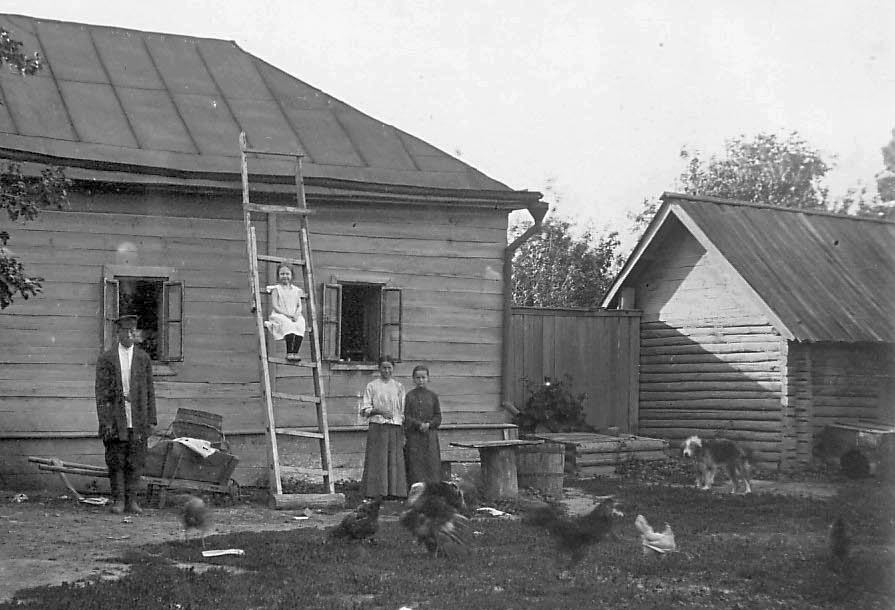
<point>757,551</point>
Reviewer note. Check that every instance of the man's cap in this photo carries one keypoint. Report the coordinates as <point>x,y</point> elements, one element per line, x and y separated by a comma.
<point>126,322</point>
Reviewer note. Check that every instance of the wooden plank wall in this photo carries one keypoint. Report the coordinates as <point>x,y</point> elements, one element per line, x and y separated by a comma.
<point>447,263</point>
<point>449,271</point>
<point>598,349</point>
<point>49,343</point>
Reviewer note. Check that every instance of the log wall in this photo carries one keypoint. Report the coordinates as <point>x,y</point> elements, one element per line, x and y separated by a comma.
<point>710,361</point>
<point>834,383</point>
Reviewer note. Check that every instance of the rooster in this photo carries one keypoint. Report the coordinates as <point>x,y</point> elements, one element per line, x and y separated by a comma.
<point>360,524</point>
<point>195,515</point>
<point>575,535</point>
<point>434,514</point>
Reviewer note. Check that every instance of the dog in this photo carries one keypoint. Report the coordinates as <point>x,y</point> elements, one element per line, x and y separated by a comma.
<point>711,454</point>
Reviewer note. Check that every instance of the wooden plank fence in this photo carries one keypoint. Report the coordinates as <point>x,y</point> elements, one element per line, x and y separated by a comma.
<point>598,349</point>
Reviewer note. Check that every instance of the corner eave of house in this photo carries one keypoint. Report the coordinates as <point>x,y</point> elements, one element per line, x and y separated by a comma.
<point>645,240</point>
<point>696,231</point>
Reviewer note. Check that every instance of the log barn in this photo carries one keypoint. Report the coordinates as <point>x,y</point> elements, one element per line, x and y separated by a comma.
<point>404,237</point>
<point>761,323</point>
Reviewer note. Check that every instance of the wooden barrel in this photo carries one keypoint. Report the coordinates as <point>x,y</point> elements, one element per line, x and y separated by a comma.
<point>541,467</point>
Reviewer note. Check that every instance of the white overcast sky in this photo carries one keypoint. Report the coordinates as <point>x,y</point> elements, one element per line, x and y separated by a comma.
<point>597,96</point>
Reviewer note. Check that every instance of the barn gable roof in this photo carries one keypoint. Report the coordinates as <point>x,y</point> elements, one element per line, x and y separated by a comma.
<point>150,103</point>
<point>819,276</point>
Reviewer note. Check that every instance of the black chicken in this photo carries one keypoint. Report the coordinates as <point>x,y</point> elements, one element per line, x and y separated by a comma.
<point>839,540</point>
<point>360,524</point>
<point>575,535</point>
<point>434,514</point>
<point>195,515</point>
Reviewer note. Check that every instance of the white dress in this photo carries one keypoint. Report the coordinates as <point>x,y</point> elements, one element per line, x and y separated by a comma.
<point>288,299</point>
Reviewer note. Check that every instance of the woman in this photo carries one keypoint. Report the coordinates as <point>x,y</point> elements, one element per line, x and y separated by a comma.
<point>422,417</point>
<point>383,409</point>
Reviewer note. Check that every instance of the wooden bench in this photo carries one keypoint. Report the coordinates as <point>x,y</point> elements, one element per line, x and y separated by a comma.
<point>499,475</point>
<point>453,456</point>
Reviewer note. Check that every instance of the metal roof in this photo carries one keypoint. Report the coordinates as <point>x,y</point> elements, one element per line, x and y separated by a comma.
<point>111,98</point>
<point>824,277</point>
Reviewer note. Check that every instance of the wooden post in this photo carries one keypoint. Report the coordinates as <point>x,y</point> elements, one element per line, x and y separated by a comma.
<point>499,472</point>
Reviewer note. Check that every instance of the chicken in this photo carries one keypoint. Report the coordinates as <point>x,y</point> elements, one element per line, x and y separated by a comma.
<point>839,540</point>
<point>195,515</point>
<point>434,515</point>
<point>360,524</point>
<point>575,535</point>
<point>655,542</point>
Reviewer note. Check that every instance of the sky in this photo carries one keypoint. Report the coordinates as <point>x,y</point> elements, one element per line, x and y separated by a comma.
<point>589,101</point>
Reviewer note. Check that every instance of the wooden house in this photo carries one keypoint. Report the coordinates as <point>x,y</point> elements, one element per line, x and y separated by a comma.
<point>405,238</point>
<point>761,323</point>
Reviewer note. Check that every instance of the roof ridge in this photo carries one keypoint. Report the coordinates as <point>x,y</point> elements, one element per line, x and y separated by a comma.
<point>116,28</point>
<point>768,206</point>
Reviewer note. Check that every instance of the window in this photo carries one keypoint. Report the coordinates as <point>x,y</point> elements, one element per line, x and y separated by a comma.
<point>361,322</point>
<point>155,298</point>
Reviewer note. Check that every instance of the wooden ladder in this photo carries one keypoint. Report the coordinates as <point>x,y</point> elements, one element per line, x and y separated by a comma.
<point>278,498</point>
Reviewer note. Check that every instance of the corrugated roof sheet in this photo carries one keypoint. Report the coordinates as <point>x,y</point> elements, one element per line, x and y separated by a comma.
<point>161,103</point>
<point>827,277</point>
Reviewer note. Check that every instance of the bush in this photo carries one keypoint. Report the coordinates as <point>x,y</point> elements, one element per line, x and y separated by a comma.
<point>552,407</point>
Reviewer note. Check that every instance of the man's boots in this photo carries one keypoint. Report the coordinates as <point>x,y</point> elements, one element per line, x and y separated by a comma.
<point>116,482</point>
<point>130,492</point>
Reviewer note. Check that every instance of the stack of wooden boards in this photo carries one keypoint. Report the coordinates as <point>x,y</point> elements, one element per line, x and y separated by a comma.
<point>593,455</point>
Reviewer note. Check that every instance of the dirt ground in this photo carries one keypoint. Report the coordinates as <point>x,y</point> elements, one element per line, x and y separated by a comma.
<point>48,540</point>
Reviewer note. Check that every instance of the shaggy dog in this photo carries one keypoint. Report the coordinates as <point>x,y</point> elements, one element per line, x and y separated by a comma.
<point>710,454</point>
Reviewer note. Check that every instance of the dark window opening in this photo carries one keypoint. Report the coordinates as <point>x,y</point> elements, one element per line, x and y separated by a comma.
<point>143,298</point>
<point>359,335</point>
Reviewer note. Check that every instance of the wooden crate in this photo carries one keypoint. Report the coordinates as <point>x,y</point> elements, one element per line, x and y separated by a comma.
<point>170,460</point>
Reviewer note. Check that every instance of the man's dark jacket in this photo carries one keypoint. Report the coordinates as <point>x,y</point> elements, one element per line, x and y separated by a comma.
<point>110,396</point>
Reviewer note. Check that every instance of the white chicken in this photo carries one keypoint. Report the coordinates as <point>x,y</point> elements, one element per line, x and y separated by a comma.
<point>655,542</point>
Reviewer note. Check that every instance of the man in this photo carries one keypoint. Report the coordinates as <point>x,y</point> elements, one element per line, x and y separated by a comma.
<point>125,407</point>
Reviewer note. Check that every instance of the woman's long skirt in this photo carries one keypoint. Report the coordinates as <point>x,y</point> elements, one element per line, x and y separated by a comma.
<point>422,453</point>
<point>384,471</point>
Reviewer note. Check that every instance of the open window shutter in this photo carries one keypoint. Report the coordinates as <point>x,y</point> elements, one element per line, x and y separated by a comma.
<point>390,339</point>
<point>110,311</point>
<point>172,323</point>
<point>332,321</point>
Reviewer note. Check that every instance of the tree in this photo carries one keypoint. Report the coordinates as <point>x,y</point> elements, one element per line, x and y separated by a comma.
<point>785,172</point>
<point>766,169</point>
<point>885,180</point>
<point>20,195</point>
<point>558,269</point>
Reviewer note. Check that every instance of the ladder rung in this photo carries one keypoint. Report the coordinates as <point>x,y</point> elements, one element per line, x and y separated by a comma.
<point>280,259</point>
<point>297,432</point>
<point>276,360</point>
<point>275,153</point>
<point>274,209</point>
<point>295,470</point>
<point>298,397</point>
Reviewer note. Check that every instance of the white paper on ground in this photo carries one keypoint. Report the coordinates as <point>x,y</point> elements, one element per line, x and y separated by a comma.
<point>219,552</point>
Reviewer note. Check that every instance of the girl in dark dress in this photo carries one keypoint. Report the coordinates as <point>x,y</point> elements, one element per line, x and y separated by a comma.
<point>422,417</point>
